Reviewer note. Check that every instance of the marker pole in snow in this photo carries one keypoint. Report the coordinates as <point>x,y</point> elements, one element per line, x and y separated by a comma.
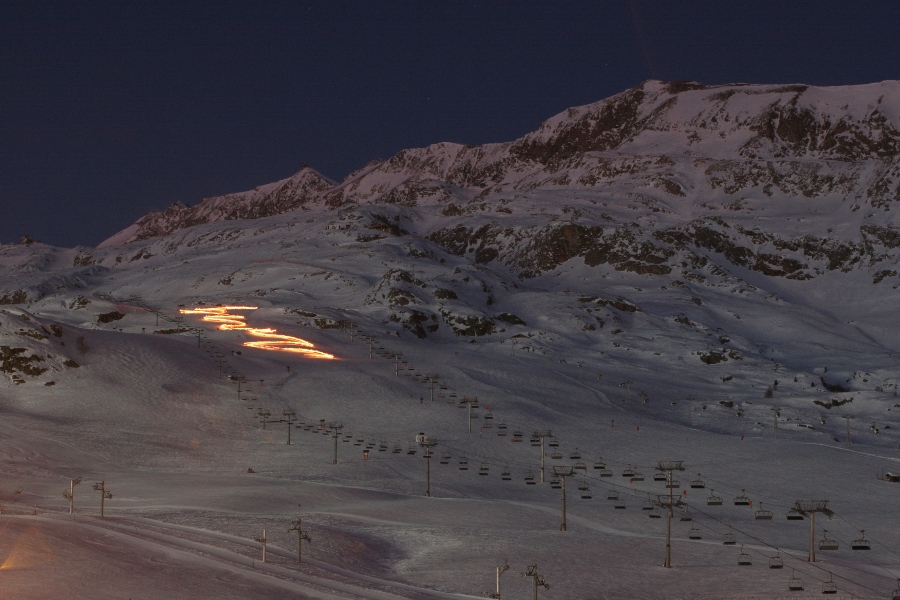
<point>262,540</point>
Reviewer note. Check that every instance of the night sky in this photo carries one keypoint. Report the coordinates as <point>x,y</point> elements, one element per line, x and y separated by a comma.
<point>112,110</point>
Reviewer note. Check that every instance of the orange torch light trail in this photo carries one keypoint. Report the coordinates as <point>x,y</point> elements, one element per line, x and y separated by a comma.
<point>272,339</point>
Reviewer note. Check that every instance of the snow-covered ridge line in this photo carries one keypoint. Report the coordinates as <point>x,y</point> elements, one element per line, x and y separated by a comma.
<point>684,138</point>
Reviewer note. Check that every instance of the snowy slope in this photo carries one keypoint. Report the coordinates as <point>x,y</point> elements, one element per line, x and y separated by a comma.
<point>561,281</point>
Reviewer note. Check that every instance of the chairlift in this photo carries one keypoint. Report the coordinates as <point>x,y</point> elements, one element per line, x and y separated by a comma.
<point>445,458</point>
<point>629,472</point>
<point>501,429</point>
<point>686,515</point>
<point>529,478</point>
<point>655,514</point>
<point>553,443</point>
<point>741,500</point>
<point>660,476</point>
<point>411,449</point>
<point>694,534</point>
<point>397,449</point>
<point>763,515</point>
<point>612,495</point>
<point>729,539</point>
<point>517,437</point>
<point>598,465</point>
<point>583,485</point>
<point>576,455</point>
<point>829,587</point>
<point>483,469</point>
<point>776,562</point>
<point>557,455</point>
<point>862,543</point>
<point>382,447</point>
<point>714,500</point>
<point>744,559</point>
<point>463,464</point>
<point>826,543</point>
<point>506,475</point>
<point>698,484</point>
<point>556,483</point>
<point>358,442</point>
<point>648,504</point>
<point>795,584</point>
<point>535,441</point>
<point>619,505</point>
<point>794,515</point>
<point>488,416</point>
<point>580,466</point>
<point>637,477</point>
<point>586,493</point>
<point>606,473</point>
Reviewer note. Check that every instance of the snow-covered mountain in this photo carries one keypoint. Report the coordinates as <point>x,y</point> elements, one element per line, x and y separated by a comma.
<point>667,273</point>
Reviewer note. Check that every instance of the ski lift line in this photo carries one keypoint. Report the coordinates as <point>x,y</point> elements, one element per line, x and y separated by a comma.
<point>868,537</point>
<point>787,553</point>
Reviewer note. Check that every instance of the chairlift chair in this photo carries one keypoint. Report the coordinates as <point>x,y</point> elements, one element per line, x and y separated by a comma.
<point>557,455</point>
<point>744,559</point>
<point>620,504</point>
<point>728,539</point>
<point>829,587</point>
<point>586,493</point>
<point>794,515</point>
<point>463,464</point>
<point>660,476</point>
<point>483,469</point>
<point>648,504</point>
<point>488,416</point>
<point>742,500</point>
<point>612,495</point>
<point>529,478</point>
<point>637,477</point>
<point>445,458</point>
<point>694,534</point>
<point>795,584</point>
<point>582,485</point>
<point>535,441</point>
<point>763,515</point>
<point>576,455</point>
<point>501,429</point>
<point>862,543</point>
<point>555,483</point>
<point>397,449</point>
<point>382,447</point>
<point>826,543</point>
<point>629,472</point>
<point>698,483</point>
<point>776,562</point>
<point>553,443</point>
<point>714,500</point>
<point>517,437</point>
<point>686,516</point>
<point>506,475</point>
<point>598,465</point>
<point>606,473</point>
<point>655,514</point>
<point>580,466</point>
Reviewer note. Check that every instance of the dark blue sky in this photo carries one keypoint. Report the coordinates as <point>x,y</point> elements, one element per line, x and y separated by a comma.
<point>110,110</point>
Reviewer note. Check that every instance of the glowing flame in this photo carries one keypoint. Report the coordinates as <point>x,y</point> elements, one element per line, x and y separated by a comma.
<point>273,340</point>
